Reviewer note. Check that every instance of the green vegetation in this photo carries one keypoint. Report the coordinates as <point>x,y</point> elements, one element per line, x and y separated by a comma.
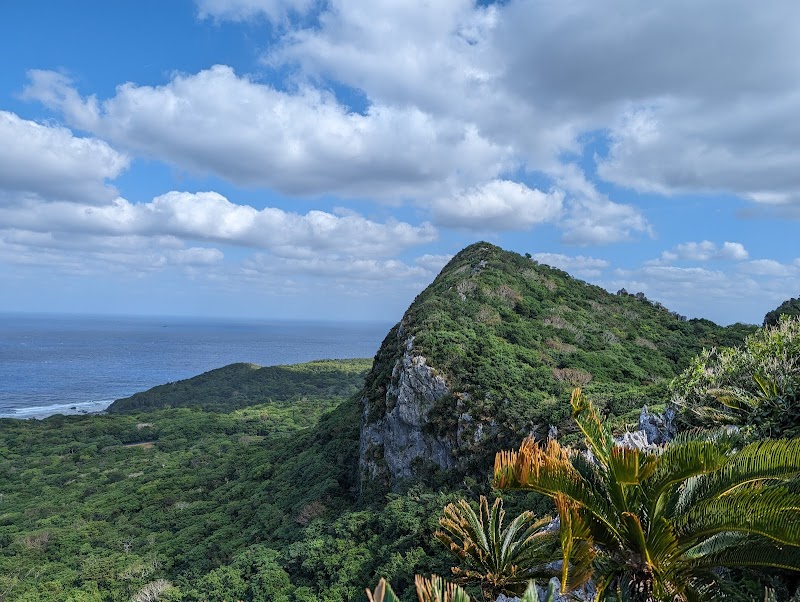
<point>110,504</point>
<point>756,386</point>
<point>434,589</point>
<point>790,307</point>
<point>499,560</point>
<point>513,337</point>
<point>649,525</point>
<point>241,385</point>
<point>185,504</point>
<point>437,589</point>
<point>243,483</point>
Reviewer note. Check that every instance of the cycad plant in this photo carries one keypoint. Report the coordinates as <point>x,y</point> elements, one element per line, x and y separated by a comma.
<point>434,589</point>
<point>650,526</point>
<point>756,387</point>
<point>437,589</point>
<point>498,559</point>
<point>766,409</point>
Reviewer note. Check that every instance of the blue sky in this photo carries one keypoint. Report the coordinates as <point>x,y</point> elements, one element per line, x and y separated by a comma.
<point>299,159</point>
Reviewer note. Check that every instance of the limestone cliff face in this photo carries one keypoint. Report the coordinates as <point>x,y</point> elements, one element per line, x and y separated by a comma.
<point>396,436</point>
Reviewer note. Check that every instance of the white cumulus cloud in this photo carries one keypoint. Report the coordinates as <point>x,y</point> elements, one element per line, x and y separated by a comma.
<point>433,263</point>
<point>499,205</point>
<point>770,267</point>
<point>578,265</point>
<point>210,217</point>
<point>335,267</point>
<point>47,161</point>
<point>717,115</point>
<point>96,254</point>
<point>591,217</point>
<point>746,294</point>
<point>303,143</point>
<point>703,251</point>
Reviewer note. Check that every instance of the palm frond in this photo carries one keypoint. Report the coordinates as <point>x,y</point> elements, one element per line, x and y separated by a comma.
<point>771,512</point>
<point>717,543</point>
<point>735,400</point>
<point>660,523</point>
<point>683,459</point>
<point>437,589</point>
<point>763,460</point>
<point>765,554</point>
<point>527,542</point>
<point>498,558</point>
<point>576,545</point>
<point>598,435</point>
<point>549,470</point>
<point>383,593</point>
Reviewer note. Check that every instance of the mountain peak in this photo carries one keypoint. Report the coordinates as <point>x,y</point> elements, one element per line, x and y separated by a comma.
<point>489,352</point>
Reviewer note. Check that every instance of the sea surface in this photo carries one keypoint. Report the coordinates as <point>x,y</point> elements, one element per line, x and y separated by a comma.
<point>76,364</point>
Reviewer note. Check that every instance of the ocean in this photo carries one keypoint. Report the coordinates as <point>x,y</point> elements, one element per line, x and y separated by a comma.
<point>77,364</point>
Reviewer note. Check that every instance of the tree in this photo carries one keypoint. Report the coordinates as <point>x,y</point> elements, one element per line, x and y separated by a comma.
<point>500,560</point>
<point>153,591</point>
<point>651,526</point>
<point>790,307</point>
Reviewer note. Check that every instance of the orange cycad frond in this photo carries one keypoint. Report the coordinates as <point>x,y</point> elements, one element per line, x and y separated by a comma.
<point>437,589</point>
<point>504,462</point>
<point>524,468</point>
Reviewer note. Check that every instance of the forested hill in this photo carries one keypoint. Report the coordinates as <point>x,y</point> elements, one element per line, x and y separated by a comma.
<point>263,503</point>
<point>240,385</point>
<point>504,339</point>
<point>790,307</point>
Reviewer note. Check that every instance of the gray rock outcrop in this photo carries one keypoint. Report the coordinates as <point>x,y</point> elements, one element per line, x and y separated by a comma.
<point>584,593</point>
<point>394,442</point>
<point>659,428</point>
<point>654,430</point>
<point>634,440</point>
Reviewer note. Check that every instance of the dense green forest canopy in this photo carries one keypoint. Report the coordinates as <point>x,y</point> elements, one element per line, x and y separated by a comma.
<point>196,504</point>
<point>242,483</point>
<point>105,505</point>
<point>241,385</point>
